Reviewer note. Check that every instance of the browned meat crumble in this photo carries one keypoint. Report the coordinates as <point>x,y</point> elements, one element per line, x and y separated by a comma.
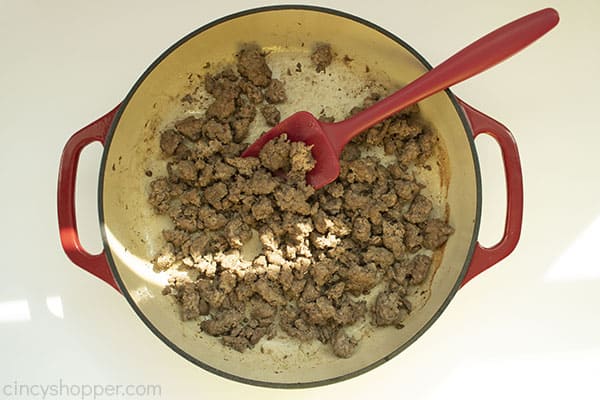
<point>322,56</point>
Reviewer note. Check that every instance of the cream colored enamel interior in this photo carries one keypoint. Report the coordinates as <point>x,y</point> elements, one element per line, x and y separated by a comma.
<point>133,230</point>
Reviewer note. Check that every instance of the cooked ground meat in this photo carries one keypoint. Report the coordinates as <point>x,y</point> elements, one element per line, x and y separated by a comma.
<point>275,155</point>
<point>239,343</point>
<point>240,128</point>
<point>190,127</point>
<point>262,209</point>
<point>436,233</point>
<point>389,309</point>
<point>419,210</point>
<point>221,108</point>
<point>215,130</point>
<point>419,267</point>
<point>254,94</point>
<point>222,322</point>
<point>288,198</point>
<point>271,114</point>
<point>412,237</point>
<point>169,140</point>
<point>245,109</point>
<point>301,161</point>
<point>360,279</point>
<point>380,256</point>
<point>322,56</point>
<point>343,345</point>
<point>252,66</point>
<point>371,228</point>
<point>275,92</point>
<point>393,238</point>
<point>361,231</point>
<point>160,195</point>
<point>237,233</point>
<point>406,189</point>
<point>165,258</point>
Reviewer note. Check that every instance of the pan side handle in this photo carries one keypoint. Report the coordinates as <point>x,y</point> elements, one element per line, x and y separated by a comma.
<point>484,257</point>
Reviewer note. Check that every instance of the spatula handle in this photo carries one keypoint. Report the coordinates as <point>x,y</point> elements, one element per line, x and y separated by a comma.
<point>484,53</point>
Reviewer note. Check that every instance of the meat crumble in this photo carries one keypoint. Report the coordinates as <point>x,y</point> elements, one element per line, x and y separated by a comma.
<point>322,56</point>
<point>320,251</point>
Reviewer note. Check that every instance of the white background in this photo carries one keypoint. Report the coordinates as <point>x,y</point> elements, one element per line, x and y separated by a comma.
<point>527,328</point>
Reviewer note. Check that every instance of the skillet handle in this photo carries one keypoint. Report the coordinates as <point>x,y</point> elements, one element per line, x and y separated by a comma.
<point>95,264</point>
<point>484,257</point>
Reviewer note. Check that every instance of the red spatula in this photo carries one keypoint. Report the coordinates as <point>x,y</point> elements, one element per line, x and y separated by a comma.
<point>329,139</point>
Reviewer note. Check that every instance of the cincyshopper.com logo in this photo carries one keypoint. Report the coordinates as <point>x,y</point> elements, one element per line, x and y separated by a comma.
<point>62,390</point>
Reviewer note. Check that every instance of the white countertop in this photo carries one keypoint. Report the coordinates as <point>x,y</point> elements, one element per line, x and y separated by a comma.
<point>527,328</point>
